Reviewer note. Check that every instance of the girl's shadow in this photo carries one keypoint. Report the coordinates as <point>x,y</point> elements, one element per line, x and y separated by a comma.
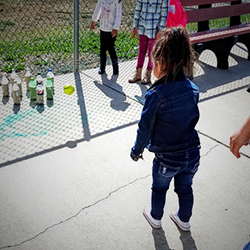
<point>161,243</point>
<point>160,239</point>
<point>114,91</point>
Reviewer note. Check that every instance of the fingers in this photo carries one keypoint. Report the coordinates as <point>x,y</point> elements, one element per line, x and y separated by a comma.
<point>234,147</point>
<point>133,34</point>
<point>92,25</point>
<point>114,33</point>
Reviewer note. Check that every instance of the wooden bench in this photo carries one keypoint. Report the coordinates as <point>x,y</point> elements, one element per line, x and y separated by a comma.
<point>220,40</point>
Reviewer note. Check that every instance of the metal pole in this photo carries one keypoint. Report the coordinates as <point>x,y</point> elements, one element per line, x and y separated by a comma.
<point>76,36</point>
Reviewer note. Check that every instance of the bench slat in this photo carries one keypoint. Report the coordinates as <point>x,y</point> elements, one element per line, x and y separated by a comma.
<point>198,15</point>
<point>210,35</point>
<point>201,2</point>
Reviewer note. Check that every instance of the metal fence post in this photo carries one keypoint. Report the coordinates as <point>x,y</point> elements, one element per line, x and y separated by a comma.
<point>76,36</point>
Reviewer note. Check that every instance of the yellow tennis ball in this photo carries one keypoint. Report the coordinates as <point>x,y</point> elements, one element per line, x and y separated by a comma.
<point>69,89</point>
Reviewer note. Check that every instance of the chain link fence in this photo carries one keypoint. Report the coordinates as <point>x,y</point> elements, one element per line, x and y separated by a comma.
<point>39,35</point>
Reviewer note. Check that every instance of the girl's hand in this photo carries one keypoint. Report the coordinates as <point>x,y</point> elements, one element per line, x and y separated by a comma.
<point>237,140</point>
<point>114,33</point>
<point>240,138</point>
<point>92,25</point>
<point>134,32</point>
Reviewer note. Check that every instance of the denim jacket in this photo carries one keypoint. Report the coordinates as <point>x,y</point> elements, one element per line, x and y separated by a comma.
<point>169,116</point>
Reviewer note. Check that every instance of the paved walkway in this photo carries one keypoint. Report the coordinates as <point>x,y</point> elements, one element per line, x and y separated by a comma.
<point>67,181</point>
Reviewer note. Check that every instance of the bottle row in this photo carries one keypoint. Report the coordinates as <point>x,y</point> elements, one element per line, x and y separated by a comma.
<point>34,85</point>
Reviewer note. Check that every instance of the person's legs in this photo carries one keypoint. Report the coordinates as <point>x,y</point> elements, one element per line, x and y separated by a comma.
<point>143,45</point>
<point>103,49</point>
<point>111,45</point>
<point>247,246</point>
<point>147,76</point>
<point>162,175</point>
<point>112,53</point>
<point>183,185</point>
<point>151,43</point>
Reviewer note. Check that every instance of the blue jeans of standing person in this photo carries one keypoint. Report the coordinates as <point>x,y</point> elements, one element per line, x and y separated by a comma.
<point>247,246</point>
<point>181,166</point>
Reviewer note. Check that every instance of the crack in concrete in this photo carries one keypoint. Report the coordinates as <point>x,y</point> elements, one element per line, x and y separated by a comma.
<point>209,151</point>
<point>75,215</point>
<point>221,143</point>
<point>105,198</point>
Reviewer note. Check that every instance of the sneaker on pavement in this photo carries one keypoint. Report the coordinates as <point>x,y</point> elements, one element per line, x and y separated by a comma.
<point>153,222</point>
<point>184,226</point>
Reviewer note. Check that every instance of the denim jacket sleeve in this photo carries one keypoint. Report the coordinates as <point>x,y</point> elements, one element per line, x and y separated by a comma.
<point>147,121</point>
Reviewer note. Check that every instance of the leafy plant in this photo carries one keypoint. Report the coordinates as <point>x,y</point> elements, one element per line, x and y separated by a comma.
<point>59,44</point>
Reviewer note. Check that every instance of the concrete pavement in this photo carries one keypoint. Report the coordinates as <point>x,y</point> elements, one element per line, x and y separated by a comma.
<point>67,181</point>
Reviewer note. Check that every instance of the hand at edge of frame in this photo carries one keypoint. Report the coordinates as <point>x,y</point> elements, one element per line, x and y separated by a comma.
<point>92,25</point>
<point>114,32</point>
<point>133,34</point>
<point>136,157</point>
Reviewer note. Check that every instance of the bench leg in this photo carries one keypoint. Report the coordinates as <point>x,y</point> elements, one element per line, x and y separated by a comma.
<point>245,39</point>
<point>198,48</point>
<point>221,49</point>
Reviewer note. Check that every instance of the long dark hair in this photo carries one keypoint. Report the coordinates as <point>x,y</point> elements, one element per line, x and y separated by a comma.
<point>173,51</point>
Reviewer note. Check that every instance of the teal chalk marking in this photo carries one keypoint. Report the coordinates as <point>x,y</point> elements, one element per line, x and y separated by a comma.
<point>39,134</point>
<point>11,120</point>
<point>141,101</point>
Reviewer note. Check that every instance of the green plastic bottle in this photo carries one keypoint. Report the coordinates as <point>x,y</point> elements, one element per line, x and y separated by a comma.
<point>49,88</point>
<point>32,88</point>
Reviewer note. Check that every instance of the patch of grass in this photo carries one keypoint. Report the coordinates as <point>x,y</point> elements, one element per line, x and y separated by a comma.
<point>57,44</point>
<point>4,24</point>
<point>217,23</point>
<point>61,45</point>
<point>86,16</point>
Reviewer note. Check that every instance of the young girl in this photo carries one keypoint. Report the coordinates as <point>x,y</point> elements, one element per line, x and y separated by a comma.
<point>167,127</point>
<point>109,12</point>
<point>149,19</point>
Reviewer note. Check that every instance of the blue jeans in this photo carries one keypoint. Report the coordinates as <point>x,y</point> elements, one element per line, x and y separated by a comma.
<point>182,166</point>
<point>247,246</point>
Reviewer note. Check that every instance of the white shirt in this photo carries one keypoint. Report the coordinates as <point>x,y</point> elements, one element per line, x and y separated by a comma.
<point>109,13</point>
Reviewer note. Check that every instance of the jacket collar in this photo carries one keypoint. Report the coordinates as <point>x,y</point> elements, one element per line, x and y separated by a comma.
<point>180,76</point>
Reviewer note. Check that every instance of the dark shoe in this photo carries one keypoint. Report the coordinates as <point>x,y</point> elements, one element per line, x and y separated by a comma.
<point>102,66</point>
<point>115,66</point>
<point>101,71</point>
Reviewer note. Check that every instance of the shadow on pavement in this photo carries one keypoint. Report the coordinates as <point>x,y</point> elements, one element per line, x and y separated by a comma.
<point>161,243</point>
